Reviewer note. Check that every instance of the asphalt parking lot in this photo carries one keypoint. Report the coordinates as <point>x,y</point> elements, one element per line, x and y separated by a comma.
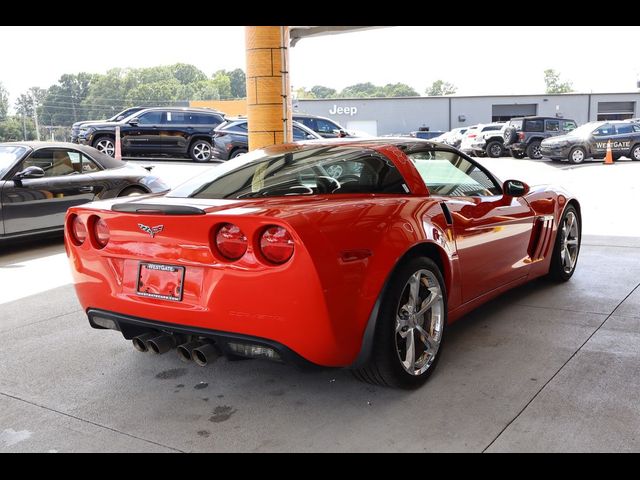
<point>546,367</point>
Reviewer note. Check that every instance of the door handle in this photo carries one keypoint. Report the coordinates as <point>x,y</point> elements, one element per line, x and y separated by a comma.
<point>86,189</point>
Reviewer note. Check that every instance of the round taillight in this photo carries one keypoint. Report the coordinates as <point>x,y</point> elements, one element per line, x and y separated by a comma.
<point>231,242</point>
<point>101,232</point>
<point>78,230</point>
<point>276,244</point>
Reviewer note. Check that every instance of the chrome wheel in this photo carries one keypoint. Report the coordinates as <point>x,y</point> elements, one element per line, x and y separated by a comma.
<point>106,146</point>
<point>635,154</point>
<point>419,322</point>
<point>201,152</point>
<point>569,242</point>
<point>536,152</point>
<point>577,156</point>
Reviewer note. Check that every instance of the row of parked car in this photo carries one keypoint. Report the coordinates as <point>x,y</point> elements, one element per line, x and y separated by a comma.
<point>555,138</point>
<point>199,133</point>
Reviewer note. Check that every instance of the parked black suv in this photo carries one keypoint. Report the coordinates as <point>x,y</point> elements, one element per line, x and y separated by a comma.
<point>522,135</point>
<point>321,125</point>
<point>157,131</point>
<point>231,138</point>
<point>75,128</point>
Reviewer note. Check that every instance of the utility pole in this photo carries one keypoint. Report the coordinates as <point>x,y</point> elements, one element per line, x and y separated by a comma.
<point>24,128</point>
<point>35,117</point>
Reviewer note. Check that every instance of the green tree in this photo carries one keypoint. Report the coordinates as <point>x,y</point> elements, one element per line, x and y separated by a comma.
<point>362,90</point>
<point>303,93</point>
<point>440,87</point>
<point>24,103</point>
<point>11,129</point>
<point>238,83</point>
<point>553,83</point>
<point>4,102</point>
<point>223,83</point>
<point>399,90</point>
<point>187,74</point>
<point>321,91</point>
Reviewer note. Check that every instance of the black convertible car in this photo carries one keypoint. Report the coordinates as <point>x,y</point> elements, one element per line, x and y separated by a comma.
<point>40,180</point>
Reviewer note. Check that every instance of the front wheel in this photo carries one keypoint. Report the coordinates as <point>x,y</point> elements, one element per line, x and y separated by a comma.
<point>410,327</point>
<point>635,152</point>
<point>533,150</point>
<point>200,151</point>
<point>495,149</point>
<point>567,246</point>
<point>105,145</point>
<point>577,155</point>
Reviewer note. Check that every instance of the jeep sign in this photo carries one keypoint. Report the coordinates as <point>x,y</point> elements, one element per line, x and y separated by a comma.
<point>336,110</point>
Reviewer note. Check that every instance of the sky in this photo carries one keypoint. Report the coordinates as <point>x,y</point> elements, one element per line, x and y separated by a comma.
<point>478,60</point>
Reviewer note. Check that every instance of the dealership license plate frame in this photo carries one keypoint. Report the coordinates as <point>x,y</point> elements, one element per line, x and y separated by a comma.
<point>180,270</point>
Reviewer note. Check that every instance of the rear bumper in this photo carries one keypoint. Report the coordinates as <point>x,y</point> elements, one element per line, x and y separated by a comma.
<point>133,326</point>
<point>518,147</point>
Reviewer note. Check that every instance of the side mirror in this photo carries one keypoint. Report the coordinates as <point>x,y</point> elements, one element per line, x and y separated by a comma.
<point>515,188</point>
<point>29,172</point>
<point>310,137</point>
<point>133,122</point>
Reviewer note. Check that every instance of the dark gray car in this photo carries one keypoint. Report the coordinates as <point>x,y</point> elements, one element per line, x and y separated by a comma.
<point>39,181</point>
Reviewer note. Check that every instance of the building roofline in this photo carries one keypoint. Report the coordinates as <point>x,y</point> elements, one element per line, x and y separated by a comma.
<point>573,94</point>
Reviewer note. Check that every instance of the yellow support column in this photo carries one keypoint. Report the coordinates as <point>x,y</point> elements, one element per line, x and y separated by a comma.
<point>268,98</point>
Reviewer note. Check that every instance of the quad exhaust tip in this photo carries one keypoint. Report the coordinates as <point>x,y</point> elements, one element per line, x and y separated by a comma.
<point>185,351</point>
<point>207,353</point>
<point>161,343</point>
<point>140,342</point>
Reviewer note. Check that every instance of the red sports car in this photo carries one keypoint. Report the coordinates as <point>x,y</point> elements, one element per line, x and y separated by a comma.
<point>341,254</point>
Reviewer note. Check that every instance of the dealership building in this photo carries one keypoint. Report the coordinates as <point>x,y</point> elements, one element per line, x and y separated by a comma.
<point>401,115</point>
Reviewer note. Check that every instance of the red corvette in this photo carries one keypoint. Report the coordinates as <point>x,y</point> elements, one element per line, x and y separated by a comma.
<point>342,254</point>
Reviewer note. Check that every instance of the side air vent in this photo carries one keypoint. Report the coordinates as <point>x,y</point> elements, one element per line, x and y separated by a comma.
<point>447,213</point>
<point>540,237</point>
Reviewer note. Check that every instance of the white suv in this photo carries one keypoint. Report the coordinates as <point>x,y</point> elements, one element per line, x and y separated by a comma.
<point>481,140</point>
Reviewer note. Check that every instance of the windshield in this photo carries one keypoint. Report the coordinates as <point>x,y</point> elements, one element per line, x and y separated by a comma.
<point>8,157</point>
<point>297,171</point>
<point>585,130</point>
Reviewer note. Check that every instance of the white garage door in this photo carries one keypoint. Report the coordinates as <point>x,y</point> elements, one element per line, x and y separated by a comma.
<point>370,127</point>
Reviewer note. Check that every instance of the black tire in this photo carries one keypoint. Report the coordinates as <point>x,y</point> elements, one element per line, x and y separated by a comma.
<point>509,135</point>
<point>132,192</point>
<point>480,154</point>
<point>557,270</point>
<point>200,151</point>
<point>577,155</point>
<point>635,152</point>
<point>518,155</point>
<point>533,150</point>
<point>494,149</point>
<point>384,367</point>
<point>106,145</point>
<point>237,152</point>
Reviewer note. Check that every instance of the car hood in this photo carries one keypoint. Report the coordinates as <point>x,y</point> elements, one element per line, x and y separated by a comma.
<point>560,139</point>
<point>85,122</point>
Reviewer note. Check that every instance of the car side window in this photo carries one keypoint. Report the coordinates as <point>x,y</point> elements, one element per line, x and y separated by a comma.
<point>448,174</point>
<point>552,125</point>
<point>568,126</point>
<point>325,127</point>
<point>88,165</point>
<point>623,129</point>
<point>54,162</point>
<point>308,122</point>
<point>636,128</point>
<point>534,125</point>
<point>175,118</point>
<point>604,130</point>
<point>150,118</point>
<point>299,134</point>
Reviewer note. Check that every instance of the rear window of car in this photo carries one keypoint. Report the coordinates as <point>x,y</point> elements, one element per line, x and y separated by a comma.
<point>622,129</point>
<point>517,124</point>
<point>335,170</point>
<point>534,126</point>
<point>237,127</point>
<point>491,127</point>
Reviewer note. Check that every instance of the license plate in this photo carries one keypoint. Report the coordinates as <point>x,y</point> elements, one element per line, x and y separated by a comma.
<point>165,282</point>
